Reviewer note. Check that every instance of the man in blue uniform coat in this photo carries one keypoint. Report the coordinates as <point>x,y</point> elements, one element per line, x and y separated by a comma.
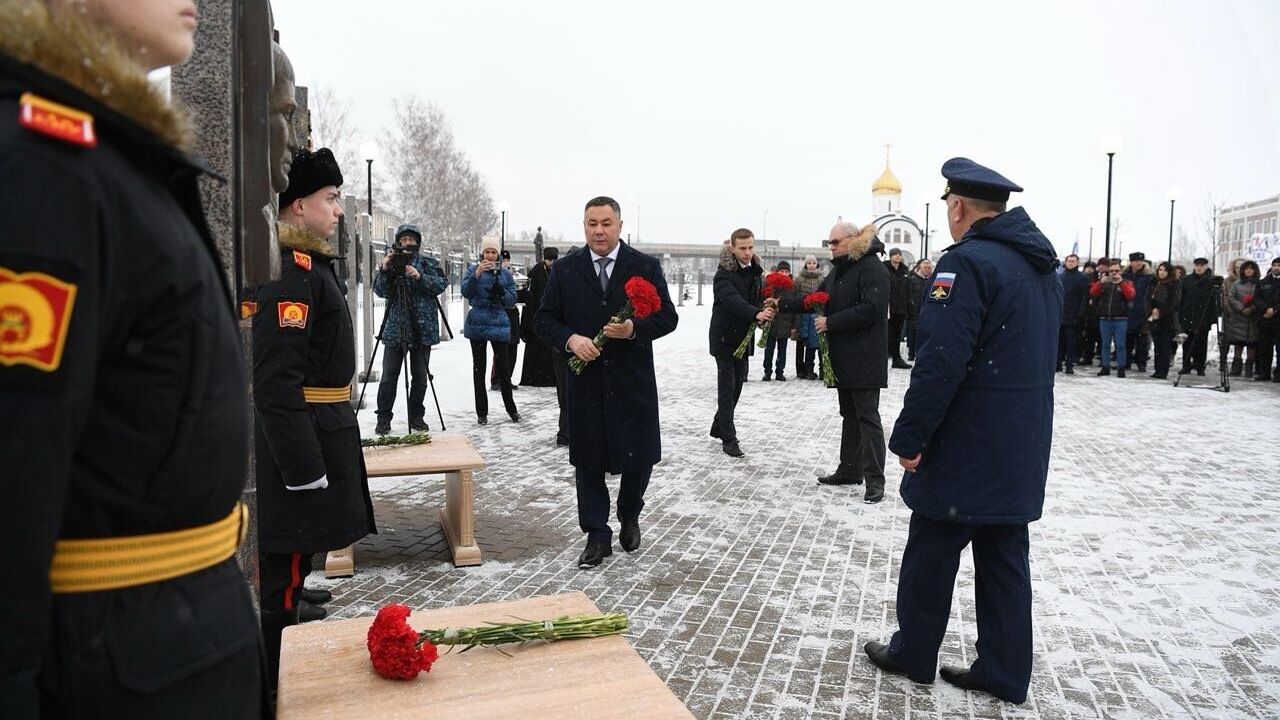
<point>613,404</point>
<point>974,436</point>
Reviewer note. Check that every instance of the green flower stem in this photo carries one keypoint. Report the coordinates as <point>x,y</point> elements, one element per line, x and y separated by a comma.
<point>565,628</point>
<point>741,351</point>
<point>764,334</point>
<point>386,440</point>
<point>576,364</point>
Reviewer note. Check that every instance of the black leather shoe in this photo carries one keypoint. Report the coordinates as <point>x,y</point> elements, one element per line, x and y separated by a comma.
<point>878,653</point>
<point>1120,373</point>
<point>594,554</point>
<point>767,377</point>
<point>780,377</point>
<point>1070,370</point>
<point>873,496</point>
<point>515,416</point>
<point>384,426</point>
<point>310,613</point>
<point>964,679</point>
<point>482,419</point>
<point>840,478</point>
<point>731,448</point>
<point>316,596</point>
<point>1104,372</point>
<point>562,441</point>
<point>629,538</point>
<point>418,425</point>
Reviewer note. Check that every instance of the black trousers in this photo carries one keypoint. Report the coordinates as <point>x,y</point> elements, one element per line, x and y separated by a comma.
<point>1268,339</point>
<point>593,500</point>
<point>560,367</point>
<point>1195,350</point>
<point>479,361</point>
<point>513,353</point>
<point>862,448</point>
<point>280,577</point>
<point>1089,339</point>
<point>911,339</point>
<point>1002,585</point>
<point>1067,345</point>
<point>730,374</point>
<point>896,323</point>
<point>1162,339</point>
<point>1137,346</point>
<point>419,365</point>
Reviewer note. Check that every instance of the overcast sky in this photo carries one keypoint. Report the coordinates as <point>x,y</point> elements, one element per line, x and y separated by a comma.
<point>701,116</point>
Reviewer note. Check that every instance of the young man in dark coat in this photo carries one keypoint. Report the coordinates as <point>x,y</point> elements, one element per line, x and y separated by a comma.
<point>121,386</point>
<point>899,305</point>
<point>855,324</point>
<point>613,404</point>
<point>1201,296</point>
<point>921,278</point>
<point>737,306</point>
<point>1075,298</point>
<point>536,370</point>
<point>1137,339</point>
<point>313,493</point>
<point>974,436</point>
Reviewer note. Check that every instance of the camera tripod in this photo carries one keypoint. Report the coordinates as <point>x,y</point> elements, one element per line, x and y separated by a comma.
<point>1224,380</point>
<point>400,298</point>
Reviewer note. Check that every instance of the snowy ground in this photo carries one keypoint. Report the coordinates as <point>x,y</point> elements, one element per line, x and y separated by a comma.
<point>1157,581</point>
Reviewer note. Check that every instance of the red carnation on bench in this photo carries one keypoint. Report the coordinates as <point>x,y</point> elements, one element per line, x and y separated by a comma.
<point>397,650</point>
<point>643,300</point>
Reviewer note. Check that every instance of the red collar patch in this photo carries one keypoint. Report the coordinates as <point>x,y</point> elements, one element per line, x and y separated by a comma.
<point>302,260</point>
<point>58,121</point>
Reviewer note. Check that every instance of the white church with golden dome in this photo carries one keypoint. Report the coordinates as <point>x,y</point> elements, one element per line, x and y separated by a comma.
<point>894,227</point>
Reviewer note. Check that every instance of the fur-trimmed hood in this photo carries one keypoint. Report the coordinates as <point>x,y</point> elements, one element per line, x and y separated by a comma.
<point>88,57</point>
<point>864,243</point>
<point>729,263</point>
<point>293,237</point>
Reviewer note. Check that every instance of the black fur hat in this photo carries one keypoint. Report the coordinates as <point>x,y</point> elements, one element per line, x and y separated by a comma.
<point>310,172</point>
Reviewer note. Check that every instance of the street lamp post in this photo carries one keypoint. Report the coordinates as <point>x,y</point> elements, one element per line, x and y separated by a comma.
<point>1173,195</point>
<point>925,253</point>
<point>502,239</point>
<point>1111,145</point>
<point>367,151</point>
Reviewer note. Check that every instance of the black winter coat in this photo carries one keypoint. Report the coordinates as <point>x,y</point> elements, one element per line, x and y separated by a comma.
<point>1167,298</point>
<point>737,302</point>
<point>899,288</point>
<point>613,404</point>
<point>1075,295</point>
<point>1267,296</point>
<point>857,316</point>
<point>1200,300</point>
<point>122,391</point>
<point>918,287</point>
<point>297,441</point>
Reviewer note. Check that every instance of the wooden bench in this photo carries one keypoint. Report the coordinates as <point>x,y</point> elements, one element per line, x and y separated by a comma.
<point>449,454</point>
<point>325,672</point>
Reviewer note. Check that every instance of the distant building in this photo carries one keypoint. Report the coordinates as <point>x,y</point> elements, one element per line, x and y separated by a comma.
<point>1249,230</point>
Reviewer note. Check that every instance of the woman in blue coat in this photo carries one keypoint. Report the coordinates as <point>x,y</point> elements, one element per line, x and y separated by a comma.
<point>491,290</point>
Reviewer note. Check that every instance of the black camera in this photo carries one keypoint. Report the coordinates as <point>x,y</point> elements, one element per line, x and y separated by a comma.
<point>400,258</point>
<point>1217,281</point>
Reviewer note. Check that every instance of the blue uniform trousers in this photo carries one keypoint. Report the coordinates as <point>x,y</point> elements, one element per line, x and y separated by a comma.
<point>1003,588</point>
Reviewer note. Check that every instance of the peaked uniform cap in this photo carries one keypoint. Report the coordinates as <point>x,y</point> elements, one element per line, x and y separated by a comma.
<point>969,179</point>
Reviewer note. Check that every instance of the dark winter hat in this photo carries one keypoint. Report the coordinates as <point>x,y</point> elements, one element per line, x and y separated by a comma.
<point>784,265</point>
<point>1137,256</point>
<point>550,253</point>
<point>1200,261</point>
<point>409,229</point>
<point>310,172</point>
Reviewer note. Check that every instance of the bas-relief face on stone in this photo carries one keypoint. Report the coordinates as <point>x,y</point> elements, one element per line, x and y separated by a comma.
<point>283,104</point>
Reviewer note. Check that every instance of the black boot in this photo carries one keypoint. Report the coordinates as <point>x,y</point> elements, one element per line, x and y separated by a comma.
<point>1236,367</point>
<point>1248,368</point>
<point>844,475</point>
<point>731,448</point>
<point>1104,371</point>
<point>316,596</point>
<point>418,425</point>
<point>384,425</point>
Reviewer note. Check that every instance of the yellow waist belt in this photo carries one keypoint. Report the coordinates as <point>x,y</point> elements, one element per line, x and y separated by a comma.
<point>113,563</point>
<point>327,395</point>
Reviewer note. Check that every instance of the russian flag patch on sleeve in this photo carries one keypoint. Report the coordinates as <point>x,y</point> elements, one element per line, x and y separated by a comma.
<point>940,291</point>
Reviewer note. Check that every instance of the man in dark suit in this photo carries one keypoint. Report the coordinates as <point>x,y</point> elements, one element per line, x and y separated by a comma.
<point>613,403</point>
<point>974,436</point>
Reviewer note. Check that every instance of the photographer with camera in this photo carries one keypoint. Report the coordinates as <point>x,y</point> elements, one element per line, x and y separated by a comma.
<point>490,289</point>
<point>1112,295</point>
<point>410,282</point>
<point>1201,291</point>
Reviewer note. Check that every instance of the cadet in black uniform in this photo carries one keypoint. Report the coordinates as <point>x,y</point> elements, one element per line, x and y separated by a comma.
<point>313,494</point>
<point>974,436</point>
<point>122,395</point>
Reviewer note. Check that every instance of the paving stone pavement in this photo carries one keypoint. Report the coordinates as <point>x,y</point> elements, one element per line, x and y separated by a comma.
<point>1155,568</point>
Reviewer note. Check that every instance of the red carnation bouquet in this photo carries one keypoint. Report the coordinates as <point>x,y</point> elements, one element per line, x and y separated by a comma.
<point>399,652</point>
<point>817,302</point>
<point>775,284</point>
<point>643,300</point>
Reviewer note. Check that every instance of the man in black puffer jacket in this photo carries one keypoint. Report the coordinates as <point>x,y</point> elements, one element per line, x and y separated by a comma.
<point>857,330</point>
<point>1075,297</point>
<point>899,305</point>
<point>737,305</point>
